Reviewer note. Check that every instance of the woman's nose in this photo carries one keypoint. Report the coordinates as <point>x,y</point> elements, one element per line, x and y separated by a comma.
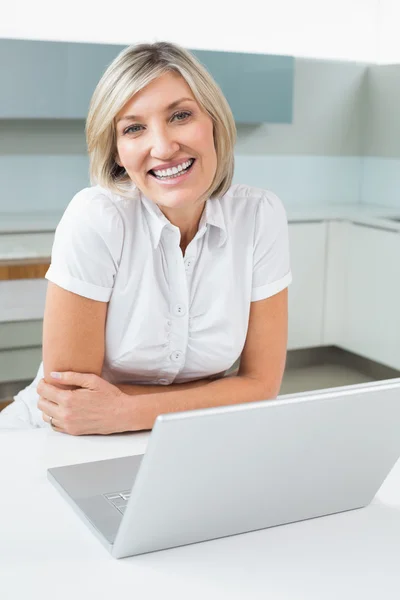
<point>163,144</point>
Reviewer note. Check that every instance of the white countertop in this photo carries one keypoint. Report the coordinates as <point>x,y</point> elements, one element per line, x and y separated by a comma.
<point>46,551</point>
<point>30,235</point>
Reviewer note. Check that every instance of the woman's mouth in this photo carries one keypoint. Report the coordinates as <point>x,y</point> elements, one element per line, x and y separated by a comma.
<point>174,176</point>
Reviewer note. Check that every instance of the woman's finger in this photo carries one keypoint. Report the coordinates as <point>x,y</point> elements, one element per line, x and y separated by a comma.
<point>51,409</point>
<point>81,380</point>
<point>53,423</point>
<point>52,393</point>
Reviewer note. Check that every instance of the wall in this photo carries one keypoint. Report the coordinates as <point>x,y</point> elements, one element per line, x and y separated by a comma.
<point>334,29</point>
<point>317,158</point>
<point>380,174</point>
<point>314,160</point>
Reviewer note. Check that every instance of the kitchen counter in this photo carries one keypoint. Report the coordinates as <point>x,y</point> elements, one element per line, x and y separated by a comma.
<point>30,235</point>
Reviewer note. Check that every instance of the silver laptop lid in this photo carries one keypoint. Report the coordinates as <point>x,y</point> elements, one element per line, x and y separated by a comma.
<point>228,470</point>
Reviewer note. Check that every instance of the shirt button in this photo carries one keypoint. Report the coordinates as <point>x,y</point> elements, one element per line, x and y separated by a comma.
<point>163,381</point>
<point>188,263</point>
<point>180,310</point>
<point>176,356</point>
<point>169,323</point>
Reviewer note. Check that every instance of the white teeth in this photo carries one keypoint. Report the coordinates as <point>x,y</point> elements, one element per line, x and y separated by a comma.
<point>174,170</point>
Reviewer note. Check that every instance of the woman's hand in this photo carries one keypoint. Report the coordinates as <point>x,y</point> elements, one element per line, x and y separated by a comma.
<point>96,407</point>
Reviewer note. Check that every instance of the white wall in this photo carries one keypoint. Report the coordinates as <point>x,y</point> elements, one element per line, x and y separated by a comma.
<point>388,32</point>
<point>333,29</point>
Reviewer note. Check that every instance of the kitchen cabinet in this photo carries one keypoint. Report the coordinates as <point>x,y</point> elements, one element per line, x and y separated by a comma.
<point>258,87</point>
<point>371,325</point>
<point>22,299</point>
<point>306,292</point>
<point>33,79</point>
<point>55,80</point>
<point>20,350</point>
<point>337,251</point>
<point>86,64</point>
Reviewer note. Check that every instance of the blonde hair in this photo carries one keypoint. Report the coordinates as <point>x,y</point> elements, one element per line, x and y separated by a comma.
<point>133,69</point>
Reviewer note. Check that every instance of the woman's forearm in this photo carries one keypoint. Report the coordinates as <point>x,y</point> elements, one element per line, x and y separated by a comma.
<point>141,390</point>
<point>141,413</point>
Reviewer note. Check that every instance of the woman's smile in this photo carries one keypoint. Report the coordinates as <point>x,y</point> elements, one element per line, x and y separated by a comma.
<point>174,178</point>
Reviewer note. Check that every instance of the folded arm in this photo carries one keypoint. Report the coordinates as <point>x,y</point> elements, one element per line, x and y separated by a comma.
<point>260,374</point>
<point>81,402</point>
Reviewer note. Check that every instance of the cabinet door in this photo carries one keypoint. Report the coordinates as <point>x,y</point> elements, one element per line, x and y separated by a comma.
<point>258,87</point>
<point>20,350</point>
<point>33,79</point>
<point>22,299</point>
<point>372,312</point>
<point>306,292</point>
<point>86,65</point>
<point>42,79</point>
<point>337,253</point>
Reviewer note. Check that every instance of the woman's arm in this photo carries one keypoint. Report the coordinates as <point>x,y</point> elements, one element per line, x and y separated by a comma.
<point>74,341</point>
<point>99,407</point>
<point>260,374</point>
<point>73,333</point>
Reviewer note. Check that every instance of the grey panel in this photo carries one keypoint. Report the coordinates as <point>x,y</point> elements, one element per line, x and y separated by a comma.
<point>33,79</point>
<point>258,87</point>
<point>19,364</point>
<point>86,65</point>
<point>20,334</point>
<point>57,80</point>
<point>382,128</point>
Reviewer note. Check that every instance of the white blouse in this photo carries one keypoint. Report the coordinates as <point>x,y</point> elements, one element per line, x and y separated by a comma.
<point>171,318</point>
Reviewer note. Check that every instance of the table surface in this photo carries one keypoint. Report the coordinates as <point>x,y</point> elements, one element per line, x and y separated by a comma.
<point>46,551</point>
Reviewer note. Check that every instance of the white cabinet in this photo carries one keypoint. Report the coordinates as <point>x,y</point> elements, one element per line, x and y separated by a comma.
<point>306,292</point>
<point>22,299</point>
<point>20,350</point>
<point>371,324</point>
<point>337,252</point>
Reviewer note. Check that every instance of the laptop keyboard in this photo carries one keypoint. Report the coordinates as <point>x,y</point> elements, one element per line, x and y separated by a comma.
<point>119,499</point>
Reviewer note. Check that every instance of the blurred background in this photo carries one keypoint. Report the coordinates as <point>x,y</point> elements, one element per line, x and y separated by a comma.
<point>315,91</point>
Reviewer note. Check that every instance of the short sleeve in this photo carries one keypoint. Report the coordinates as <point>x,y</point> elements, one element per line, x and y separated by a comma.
<point>87,247</point>
<point>271,262</point>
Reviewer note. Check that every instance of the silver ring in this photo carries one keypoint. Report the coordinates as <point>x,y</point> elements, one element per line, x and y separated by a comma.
<point>51,422</point>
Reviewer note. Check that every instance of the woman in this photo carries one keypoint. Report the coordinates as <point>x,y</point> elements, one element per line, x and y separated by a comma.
<point>163,273</point>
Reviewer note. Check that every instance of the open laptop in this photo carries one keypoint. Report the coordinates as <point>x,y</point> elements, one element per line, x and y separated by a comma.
<point>228,470</point>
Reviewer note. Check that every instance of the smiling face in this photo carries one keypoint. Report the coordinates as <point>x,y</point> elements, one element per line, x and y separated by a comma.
<point>163,126</point>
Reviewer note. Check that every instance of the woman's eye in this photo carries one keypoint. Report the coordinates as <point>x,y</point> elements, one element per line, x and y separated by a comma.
<point>131,129</point>
<point>185,114</point>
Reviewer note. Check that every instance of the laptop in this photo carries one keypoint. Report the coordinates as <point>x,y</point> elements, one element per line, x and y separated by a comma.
<point>222,471</point>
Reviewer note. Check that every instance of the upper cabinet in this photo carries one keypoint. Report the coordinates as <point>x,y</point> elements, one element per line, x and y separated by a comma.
<point>33,79</point>
<point>258,87</point>
<point>55,80</point>
<point>86,65</point>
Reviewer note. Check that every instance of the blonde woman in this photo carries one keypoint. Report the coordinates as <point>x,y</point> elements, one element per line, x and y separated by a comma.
<point>163,273</point>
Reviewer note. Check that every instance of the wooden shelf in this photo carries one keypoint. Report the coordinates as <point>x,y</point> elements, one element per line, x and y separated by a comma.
<point>31,268</point>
